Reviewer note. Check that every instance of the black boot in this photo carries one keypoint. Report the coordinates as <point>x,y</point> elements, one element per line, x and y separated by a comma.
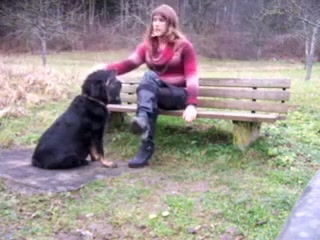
<point>140,125</point>
<point>146,149</point>
<point>145,120</point>
<point>144,154</point>
<point>147,95</point>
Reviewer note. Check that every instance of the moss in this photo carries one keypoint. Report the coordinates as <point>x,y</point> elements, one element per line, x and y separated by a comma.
<point>244,133</point>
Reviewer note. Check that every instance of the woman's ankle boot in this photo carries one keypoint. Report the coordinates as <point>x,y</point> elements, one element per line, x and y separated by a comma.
<point>140,125</point>
<point>145,152</point>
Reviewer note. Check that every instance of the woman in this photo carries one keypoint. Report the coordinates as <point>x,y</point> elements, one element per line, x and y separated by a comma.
<point>170,84</point>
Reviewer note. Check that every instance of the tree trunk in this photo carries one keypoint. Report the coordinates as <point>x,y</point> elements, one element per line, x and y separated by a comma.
<point>258,42</point>
<point>311,52</point>
<point>122,10</point>
<point>44,51</point>
<point>306,52</point>
<point>92,7</point>
<point>233,12</point>
<point>104,11</point>
<point>258,52</point>
<point>306,43</point>
<point>85,16</point>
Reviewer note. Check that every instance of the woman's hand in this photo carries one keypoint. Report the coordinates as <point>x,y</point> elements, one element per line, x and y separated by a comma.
<point>190,113</point>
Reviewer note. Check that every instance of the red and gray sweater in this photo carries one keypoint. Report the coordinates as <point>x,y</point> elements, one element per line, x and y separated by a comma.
<point>178,67</point>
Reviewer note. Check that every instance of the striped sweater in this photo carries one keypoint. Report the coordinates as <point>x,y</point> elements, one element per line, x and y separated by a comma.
<point>178,67</point>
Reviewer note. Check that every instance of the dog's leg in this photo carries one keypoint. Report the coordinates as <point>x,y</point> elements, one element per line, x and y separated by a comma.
<point>94,153</point>
<point>97,153</point>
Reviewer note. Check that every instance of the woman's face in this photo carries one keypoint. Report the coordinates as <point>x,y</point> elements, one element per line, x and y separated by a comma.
<point>159,25</point>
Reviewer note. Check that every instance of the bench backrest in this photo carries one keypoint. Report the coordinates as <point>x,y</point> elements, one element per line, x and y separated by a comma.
<point>253,95</point>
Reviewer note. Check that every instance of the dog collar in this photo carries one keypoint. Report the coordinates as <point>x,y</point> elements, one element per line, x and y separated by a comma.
<point>96,100</point>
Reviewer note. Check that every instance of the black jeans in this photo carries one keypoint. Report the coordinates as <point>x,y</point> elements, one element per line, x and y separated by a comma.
<point>154,94</point>
<point>168,97</point>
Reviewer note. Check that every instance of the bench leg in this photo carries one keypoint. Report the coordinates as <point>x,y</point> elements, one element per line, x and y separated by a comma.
<point>115,120</point>
<point>245,133</point>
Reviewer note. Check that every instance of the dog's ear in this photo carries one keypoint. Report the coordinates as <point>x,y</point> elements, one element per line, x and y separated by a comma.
<point>93,88</point>
<point>118,84</point>
<point>113,73</point>
<point>85,89</point>
<point>96,89</point>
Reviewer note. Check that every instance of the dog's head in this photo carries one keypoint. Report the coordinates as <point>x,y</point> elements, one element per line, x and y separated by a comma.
<point>103,85</point>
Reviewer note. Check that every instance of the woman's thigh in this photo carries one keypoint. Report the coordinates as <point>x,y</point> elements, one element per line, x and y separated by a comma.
<point>172,98</point>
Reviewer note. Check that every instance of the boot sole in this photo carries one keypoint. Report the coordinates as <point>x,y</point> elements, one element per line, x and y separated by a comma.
<point>138,165</point>
<point>136,128</point>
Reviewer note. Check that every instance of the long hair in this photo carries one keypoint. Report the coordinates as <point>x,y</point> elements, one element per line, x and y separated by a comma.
<point>173,35</point>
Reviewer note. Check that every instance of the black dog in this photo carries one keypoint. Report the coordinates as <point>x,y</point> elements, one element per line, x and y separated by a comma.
<point>78,132</point>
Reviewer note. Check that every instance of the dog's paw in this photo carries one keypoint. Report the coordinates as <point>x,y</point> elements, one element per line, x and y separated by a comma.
<point>109,164</point>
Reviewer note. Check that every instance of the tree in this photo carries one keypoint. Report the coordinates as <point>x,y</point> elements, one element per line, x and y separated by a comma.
<point>258,26</point>
<point>43,19</point>
<point>307,12</point>
<point>201,15</point>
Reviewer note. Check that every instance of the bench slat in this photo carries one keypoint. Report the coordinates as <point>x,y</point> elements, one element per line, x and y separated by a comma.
<point>208,114</point>
<point>233,82</point>
<point>236,105</point>
<point>232,93</point>
<point>245,94</point>
<point>245,105</point>
<point>126,98</point>
<point>246,82</point>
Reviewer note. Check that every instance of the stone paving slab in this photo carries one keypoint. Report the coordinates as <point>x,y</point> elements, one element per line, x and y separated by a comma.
<point>20,175</point>
<point>304,220</point>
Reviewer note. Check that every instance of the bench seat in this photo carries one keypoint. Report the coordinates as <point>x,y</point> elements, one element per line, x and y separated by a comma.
<point>236,116</point>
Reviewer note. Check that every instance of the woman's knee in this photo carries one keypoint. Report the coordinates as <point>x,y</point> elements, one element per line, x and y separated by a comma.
<point>150,78</point>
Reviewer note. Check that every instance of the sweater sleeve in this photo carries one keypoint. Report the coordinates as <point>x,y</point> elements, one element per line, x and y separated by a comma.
<point>132,62</point>
<point>190,72</point>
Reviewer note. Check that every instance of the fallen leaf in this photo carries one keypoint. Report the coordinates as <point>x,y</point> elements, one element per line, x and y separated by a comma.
<point>165,214</point>
<point>152,216</point>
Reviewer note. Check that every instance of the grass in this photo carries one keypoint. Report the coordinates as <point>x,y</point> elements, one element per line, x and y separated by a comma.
<point>198,186</point>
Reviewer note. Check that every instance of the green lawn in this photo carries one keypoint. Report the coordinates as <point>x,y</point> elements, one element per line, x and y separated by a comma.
<point>198,186</point>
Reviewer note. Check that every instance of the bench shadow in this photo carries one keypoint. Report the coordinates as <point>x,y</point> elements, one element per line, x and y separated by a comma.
<point>202,134</point>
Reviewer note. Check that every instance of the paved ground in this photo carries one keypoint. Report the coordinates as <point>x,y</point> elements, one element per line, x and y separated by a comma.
<point>304,220</point>
<point>20,175</point>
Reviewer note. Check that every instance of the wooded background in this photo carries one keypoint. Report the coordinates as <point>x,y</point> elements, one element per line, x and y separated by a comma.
<point>236,29</point>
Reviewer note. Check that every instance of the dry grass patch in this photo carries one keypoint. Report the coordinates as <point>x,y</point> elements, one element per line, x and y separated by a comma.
<point>23,86</point>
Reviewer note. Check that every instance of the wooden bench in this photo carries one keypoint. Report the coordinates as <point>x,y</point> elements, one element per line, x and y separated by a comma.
<point>246,102</point>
